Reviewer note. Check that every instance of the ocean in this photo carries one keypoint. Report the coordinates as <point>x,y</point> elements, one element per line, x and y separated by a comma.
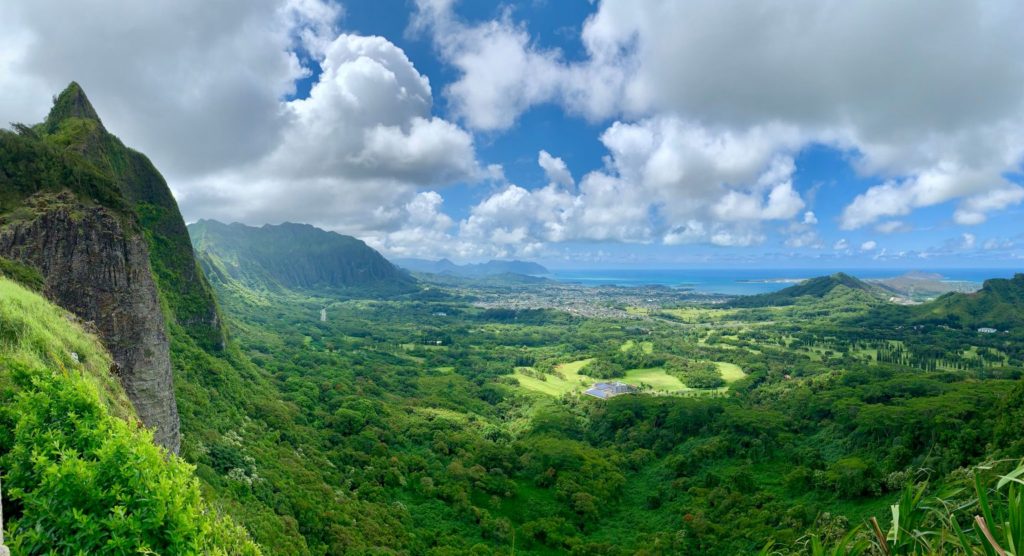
<point>749,281</point>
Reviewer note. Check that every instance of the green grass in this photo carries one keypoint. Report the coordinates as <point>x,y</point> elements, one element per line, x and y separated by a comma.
<point>730,371</point>
<point>656,378</point>
<point>647,347</point>
<point>36,333</point>
<point>23,274</point>
<point>74,447</point>
<point>698,315</point>
<point>555,385</point>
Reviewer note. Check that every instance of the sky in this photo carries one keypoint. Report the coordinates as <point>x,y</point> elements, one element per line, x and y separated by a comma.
<point>647,133</point>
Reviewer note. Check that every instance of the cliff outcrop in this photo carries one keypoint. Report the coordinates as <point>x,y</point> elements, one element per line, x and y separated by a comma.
<point>99,223</point>
<point>98,269</point>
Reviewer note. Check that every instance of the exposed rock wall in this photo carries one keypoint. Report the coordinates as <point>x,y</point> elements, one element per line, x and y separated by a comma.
<point>97,267</point>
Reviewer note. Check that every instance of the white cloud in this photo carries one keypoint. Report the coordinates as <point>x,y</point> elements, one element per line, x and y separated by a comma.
<point>974,210</point>
<point>994,244</point>
<point>892,226</point>
<point>967,241</point>
<point>354,155</point>
<point>202,88</point>
<point>802,234</point>
<point>705,105</point>
<point>835,72</point>
<point>869,245</point>
<point>555,169</point>
<point>841,245</point>
<point>931,187</point>
<point>504,75</point>
<point>665,179</point>
<point>195,85</point>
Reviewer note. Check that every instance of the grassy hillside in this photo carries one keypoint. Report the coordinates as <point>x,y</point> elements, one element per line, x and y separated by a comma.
<point>998,304</point>
<point>80,475</point>
<point>815,287</point>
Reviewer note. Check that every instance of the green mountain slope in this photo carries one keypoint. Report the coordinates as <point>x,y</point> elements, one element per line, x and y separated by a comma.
<point>74,126</point>
<point>80,475</point>
<point>998,304</point>
<point>293,256</point>
<point>99,225</point>
<point>819,287</point>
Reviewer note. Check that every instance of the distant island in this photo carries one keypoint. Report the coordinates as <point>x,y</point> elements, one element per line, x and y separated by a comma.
<point>772,281</point>
<point>919,286</point>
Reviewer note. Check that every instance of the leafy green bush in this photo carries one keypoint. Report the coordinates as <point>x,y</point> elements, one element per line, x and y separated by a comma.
<point>80,480</point>
<point>602,368</point>
<point>21,273</point>
<point>951,521</point>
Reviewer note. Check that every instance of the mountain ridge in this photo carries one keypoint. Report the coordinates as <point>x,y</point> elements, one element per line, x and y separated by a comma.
<point>999,304</point>
<point>817,287</point>
<point>292,256</point>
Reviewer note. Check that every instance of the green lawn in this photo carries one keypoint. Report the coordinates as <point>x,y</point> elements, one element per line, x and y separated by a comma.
<point>730,371</point>
<point>659,381</point>
<point>647,347</point>
<point>657,378</point>
<point>556,385</point>
<point>697,315</point>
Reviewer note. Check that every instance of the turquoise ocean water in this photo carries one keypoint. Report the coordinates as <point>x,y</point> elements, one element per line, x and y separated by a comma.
<point>750,281</point>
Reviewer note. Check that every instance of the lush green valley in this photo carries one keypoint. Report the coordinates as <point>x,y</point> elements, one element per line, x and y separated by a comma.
<point>427,424</point>
<point>332,403</point>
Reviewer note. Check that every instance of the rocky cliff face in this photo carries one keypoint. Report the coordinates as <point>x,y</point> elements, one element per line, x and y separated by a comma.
<point>74,125</point>
<point>100,224</point>
<point>98,268</point>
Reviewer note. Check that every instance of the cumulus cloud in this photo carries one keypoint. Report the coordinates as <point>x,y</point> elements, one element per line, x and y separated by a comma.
<point>555,169</point>
<point>354,154</point>
<point>665,180</point>
<point>835,72</point>
<point>967,241</point>
<point>869,245</point>
<point>975,209</point>
<point>841,245</point>
<point>204,90</point>
<point>705,107</point>
<point>803,233</point>
<point>195,85</point>
<point>892,226</point>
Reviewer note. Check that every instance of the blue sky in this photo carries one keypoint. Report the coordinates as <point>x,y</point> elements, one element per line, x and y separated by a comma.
<point>647,133</point>
<point>823,173</point>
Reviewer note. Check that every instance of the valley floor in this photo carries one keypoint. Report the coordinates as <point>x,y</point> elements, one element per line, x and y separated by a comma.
<point>431,424</point>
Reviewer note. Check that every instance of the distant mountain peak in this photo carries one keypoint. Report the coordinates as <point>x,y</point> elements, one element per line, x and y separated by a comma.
<point>293,256</point>
<point>71,103</point>
<point>818,287</point>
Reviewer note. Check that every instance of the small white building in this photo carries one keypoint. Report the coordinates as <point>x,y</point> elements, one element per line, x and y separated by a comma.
<point>986,330</point>
<point>605,390</point>
<point>323,314</point>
